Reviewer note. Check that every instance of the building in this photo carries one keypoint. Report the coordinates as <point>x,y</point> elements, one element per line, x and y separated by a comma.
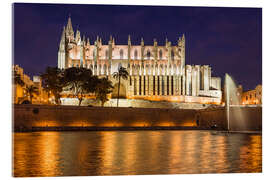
<point>19,93</point>
<point>252,96</point>
<point>156,72</point>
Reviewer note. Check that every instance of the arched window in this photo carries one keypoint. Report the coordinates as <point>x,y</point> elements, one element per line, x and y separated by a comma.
<point>133,70</point>
<point>172,55</point>
<point>160,54</point>
<point>100,69</point>
<point>105,69</point>
<point>136,54</point>
<point>107,54</point>
<point>121,53</point>
<point>147,69</point>
<point>148,54</point>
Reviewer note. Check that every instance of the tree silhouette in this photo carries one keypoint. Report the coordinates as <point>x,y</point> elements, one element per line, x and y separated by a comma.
<point>52,81</point>
<point>103,88</point>
<point>122,73</point>
<point>75,79</point>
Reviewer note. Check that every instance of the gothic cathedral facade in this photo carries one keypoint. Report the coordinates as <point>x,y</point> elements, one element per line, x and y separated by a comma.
<point>156,72</point>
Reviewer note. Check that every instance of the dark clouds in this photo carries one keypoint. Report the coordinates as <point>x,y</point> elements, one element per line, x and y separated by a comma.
<point>229,39</point>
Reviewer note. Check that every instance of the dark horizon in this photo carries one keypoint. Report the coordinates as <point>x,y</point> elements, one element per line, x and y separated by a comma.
<point>228,39</point>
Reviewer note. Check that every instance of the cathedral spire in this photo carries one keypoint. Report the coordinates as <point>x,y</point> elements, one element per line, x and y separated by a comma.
<point>113,42</point>
<point>142,42</point>
<point>63,35</point>
<point>110,37</point>
<point>129,41</point>
<point>83,40</point>
<point>100,41</point>
<point>69,30</point>
<point>62,41</point>
<point>88,42</point>
<point>179,42</point>
<point>155,42</point>
<point>69,24</point>
<point>78,36</point>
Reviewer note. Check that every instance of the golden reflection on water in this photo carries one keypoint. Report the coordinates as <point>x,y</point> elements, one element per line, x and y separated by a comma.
<point>135,152</point>
<point>41,150</point>
<point>253,148</point>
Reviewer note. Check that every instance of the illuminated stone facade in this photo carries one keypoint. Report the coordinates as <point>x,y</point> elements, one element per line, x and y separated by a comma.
<point>156,72</point>
<point>19,92</point>
<point>252,96</point>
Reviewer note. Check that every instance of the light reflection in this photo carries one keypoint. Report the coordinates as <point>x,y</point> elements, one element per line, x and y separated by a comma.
<point>205,162</point>
<point>108,144</point>
<point>48,145</point>
<point>134,152</point>
<point>43,161</point>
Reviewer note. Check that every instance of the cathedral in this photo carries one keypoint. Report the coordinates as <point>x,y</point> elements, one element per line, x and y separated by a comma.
<point>156,72</point>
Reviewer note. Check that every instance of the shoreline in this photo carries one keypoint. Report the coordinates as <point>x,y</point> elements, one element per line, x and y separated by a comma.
<point>96,129</point>
<point>70,128</point>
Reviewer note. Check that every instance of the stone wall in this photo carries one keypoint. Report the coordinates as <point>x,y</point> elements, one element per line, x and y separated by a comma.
<point>241,118</point>
<point>246,118</point>
<point>28,116</point>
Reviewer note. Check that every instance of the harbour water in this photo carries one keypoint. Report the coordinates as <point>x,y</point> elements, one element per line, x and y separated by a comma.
<point>87,153</point>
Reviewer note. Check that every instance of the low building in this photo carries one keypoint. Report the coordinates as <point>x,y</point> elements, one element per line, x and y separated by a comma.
<point>252,97</point>
<point>20,94</point>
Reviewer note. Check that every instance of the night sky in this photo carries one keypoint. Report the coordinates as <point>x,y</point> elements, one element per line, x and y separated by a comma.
<point>228,39</point>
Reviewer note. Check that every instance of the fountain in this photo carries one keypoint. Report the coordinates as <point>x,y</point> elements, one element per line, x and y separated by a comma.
<point>234,110</point>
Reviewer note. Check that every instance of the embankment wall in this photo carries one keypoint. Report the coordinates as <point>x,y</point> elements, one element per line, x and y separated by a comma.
<point>42,116</point>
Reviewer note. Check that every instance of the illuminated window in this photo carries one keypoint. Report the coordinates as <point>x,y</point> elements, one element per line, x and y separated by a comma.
<point>107,54</point>
<point>148,54</point>
<point>250,96</point>
<point>105,69</point>
<point>121,53</point>
<point>246,97</point>
<point>135,54</point>
<point>172,55</point>
<point>160,54</point>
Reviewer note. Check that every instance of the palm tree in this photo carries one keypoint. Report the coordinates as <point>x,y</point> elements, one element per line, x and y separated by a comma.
<point>122,73</point>
<point>52,81</point>
<point>31,90</point>
<point>103,88</point>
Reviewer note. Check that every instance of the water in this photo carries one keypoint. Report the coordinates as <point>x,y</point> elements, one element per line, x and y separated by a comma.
<point>135,152</point>
<point>236,117</point>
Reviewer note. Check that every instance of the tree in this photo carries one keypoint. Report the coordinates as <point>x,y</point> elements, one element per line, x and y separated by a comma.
<point>52,81</point>
<point>17,79</point>
<point>90,84</point>
<point>122,73</point>
<point>31,90</point>
<point>103,88</point>
<point>76,79</point>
